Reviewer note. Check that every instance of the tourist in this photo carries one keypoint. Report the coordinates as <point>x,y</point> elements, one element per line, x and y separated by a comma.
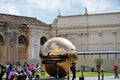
<point>29,72</point>
<point>32,69</point>
<point>73,69</point>
<point>2,72</point>
<point>115,68</point>
<point>18,68</point>
<point>37,72</point>
<point>7,70</point>
<point>12,73</point>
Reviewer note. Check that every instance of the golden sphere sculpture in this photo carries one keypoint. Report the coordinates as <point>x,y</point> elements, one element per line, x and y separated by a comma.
<point>56,55</point>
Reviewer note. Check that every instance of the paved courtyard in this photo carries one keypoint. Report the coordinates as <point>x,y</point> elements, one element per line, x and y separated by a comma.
<point>87,78</point>
<point>96,78</point>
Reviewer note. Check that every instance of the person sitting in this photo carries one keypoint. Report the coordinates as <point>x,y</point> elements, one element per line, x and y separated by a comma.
<point>12,73</point>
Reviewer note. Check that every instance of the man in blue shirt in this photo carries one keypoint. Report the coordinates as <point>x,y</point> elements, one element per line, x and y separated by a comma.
<point>73,69</point>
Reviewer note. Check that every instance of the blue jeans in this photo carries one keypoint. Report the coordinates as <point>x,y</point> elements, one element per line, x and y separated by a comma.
<point>37,77</point>
<point>116,73</point>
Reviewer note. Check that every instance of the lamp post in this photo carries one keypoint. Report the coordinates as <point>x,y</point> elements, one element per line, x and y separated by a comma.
<point>98,74</point>
<point>102,74</point>
<point>82,71</point>
<point>98,62</point>
<point>82,76</point>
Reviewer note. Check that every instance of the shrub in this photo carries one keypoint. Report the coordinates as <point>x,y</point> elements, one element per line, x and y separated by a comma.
<point>98,61</point>
<point>2,65</point>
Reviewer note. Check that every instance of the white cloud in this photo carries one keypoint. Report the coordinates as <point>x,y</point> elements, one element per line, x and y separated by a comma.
<point>98,5</point>
<point>51,5</point>
<point>46,9</point>
<point>9,8</point>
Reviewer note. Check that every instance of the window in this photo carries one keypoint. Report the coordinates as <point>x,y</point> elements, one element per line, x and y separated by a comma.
<point>43,40</point>
<point>1,40</point>
<point>22,40</point>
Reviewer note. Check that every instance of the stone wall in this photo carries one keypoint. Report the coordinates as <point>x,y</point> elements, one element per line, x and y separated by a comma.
<point>90,63</point>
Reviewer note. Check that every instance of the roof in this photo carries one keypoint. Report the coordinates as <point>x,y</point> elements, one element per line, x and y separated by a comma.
<point>21,20</point>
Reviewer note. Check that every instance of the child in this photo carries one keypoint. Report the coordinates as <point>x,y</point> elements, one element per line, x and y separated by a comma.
<point>37,72</point>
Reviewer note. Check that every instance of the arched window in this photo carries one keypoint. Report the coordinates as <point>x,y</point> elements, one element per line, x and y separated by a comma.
<point>1,40</point>
<point>22,39</point>
<point>43,40</point>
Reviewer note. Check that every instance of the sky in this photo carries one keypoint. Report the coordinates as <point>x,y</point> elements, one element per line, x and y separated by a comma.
<point>48,10</point>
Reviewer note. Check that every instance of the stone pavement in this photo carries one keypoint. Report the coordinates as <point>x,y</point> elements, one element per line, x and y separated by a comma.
<point>96,78</point>
<point>86,78</point>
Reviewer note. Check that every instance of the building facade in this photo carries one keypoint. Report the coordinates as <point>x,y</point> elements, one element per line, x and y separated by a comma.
<point>22,37</point>
<point>94,35</point>
<point>91,31</point>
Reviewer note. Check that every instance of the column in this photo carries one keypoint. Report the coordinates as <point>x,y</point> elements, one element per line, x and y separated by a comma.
<point>81,40</point>
<point>80,45</point>
<point>114,40</point>
<point>8,47</point>
<point>86,38</point>
<point>17,46</point>
<point>100,39</point>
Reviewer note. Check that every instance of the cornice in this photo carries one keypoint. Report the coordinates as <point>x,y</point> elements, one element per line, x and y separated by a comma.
<point>90,14</point>
<point>39,27</point>
<point>89,26</point>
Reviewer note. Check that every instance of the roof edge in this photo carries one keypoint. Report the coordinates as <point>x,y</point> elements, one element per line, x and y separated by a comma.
<point>101,13</point>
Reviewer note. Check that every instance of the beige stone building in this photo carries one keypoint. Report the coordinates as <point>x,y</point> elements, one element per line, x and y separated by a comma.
<point>91,31</point>
<point>94,36</point>
<point>21,37</point>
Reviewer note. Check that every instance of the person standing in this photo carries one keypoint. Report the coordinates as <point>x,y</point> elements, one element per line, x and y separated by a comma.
<point>7,70</point>
<point>32,69</point>
<point>37,72</point>
<point>115,68</point>
<point>73,69</point>
<point>29,72</point>
<point>2,72</point>
<point>18,68</point>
